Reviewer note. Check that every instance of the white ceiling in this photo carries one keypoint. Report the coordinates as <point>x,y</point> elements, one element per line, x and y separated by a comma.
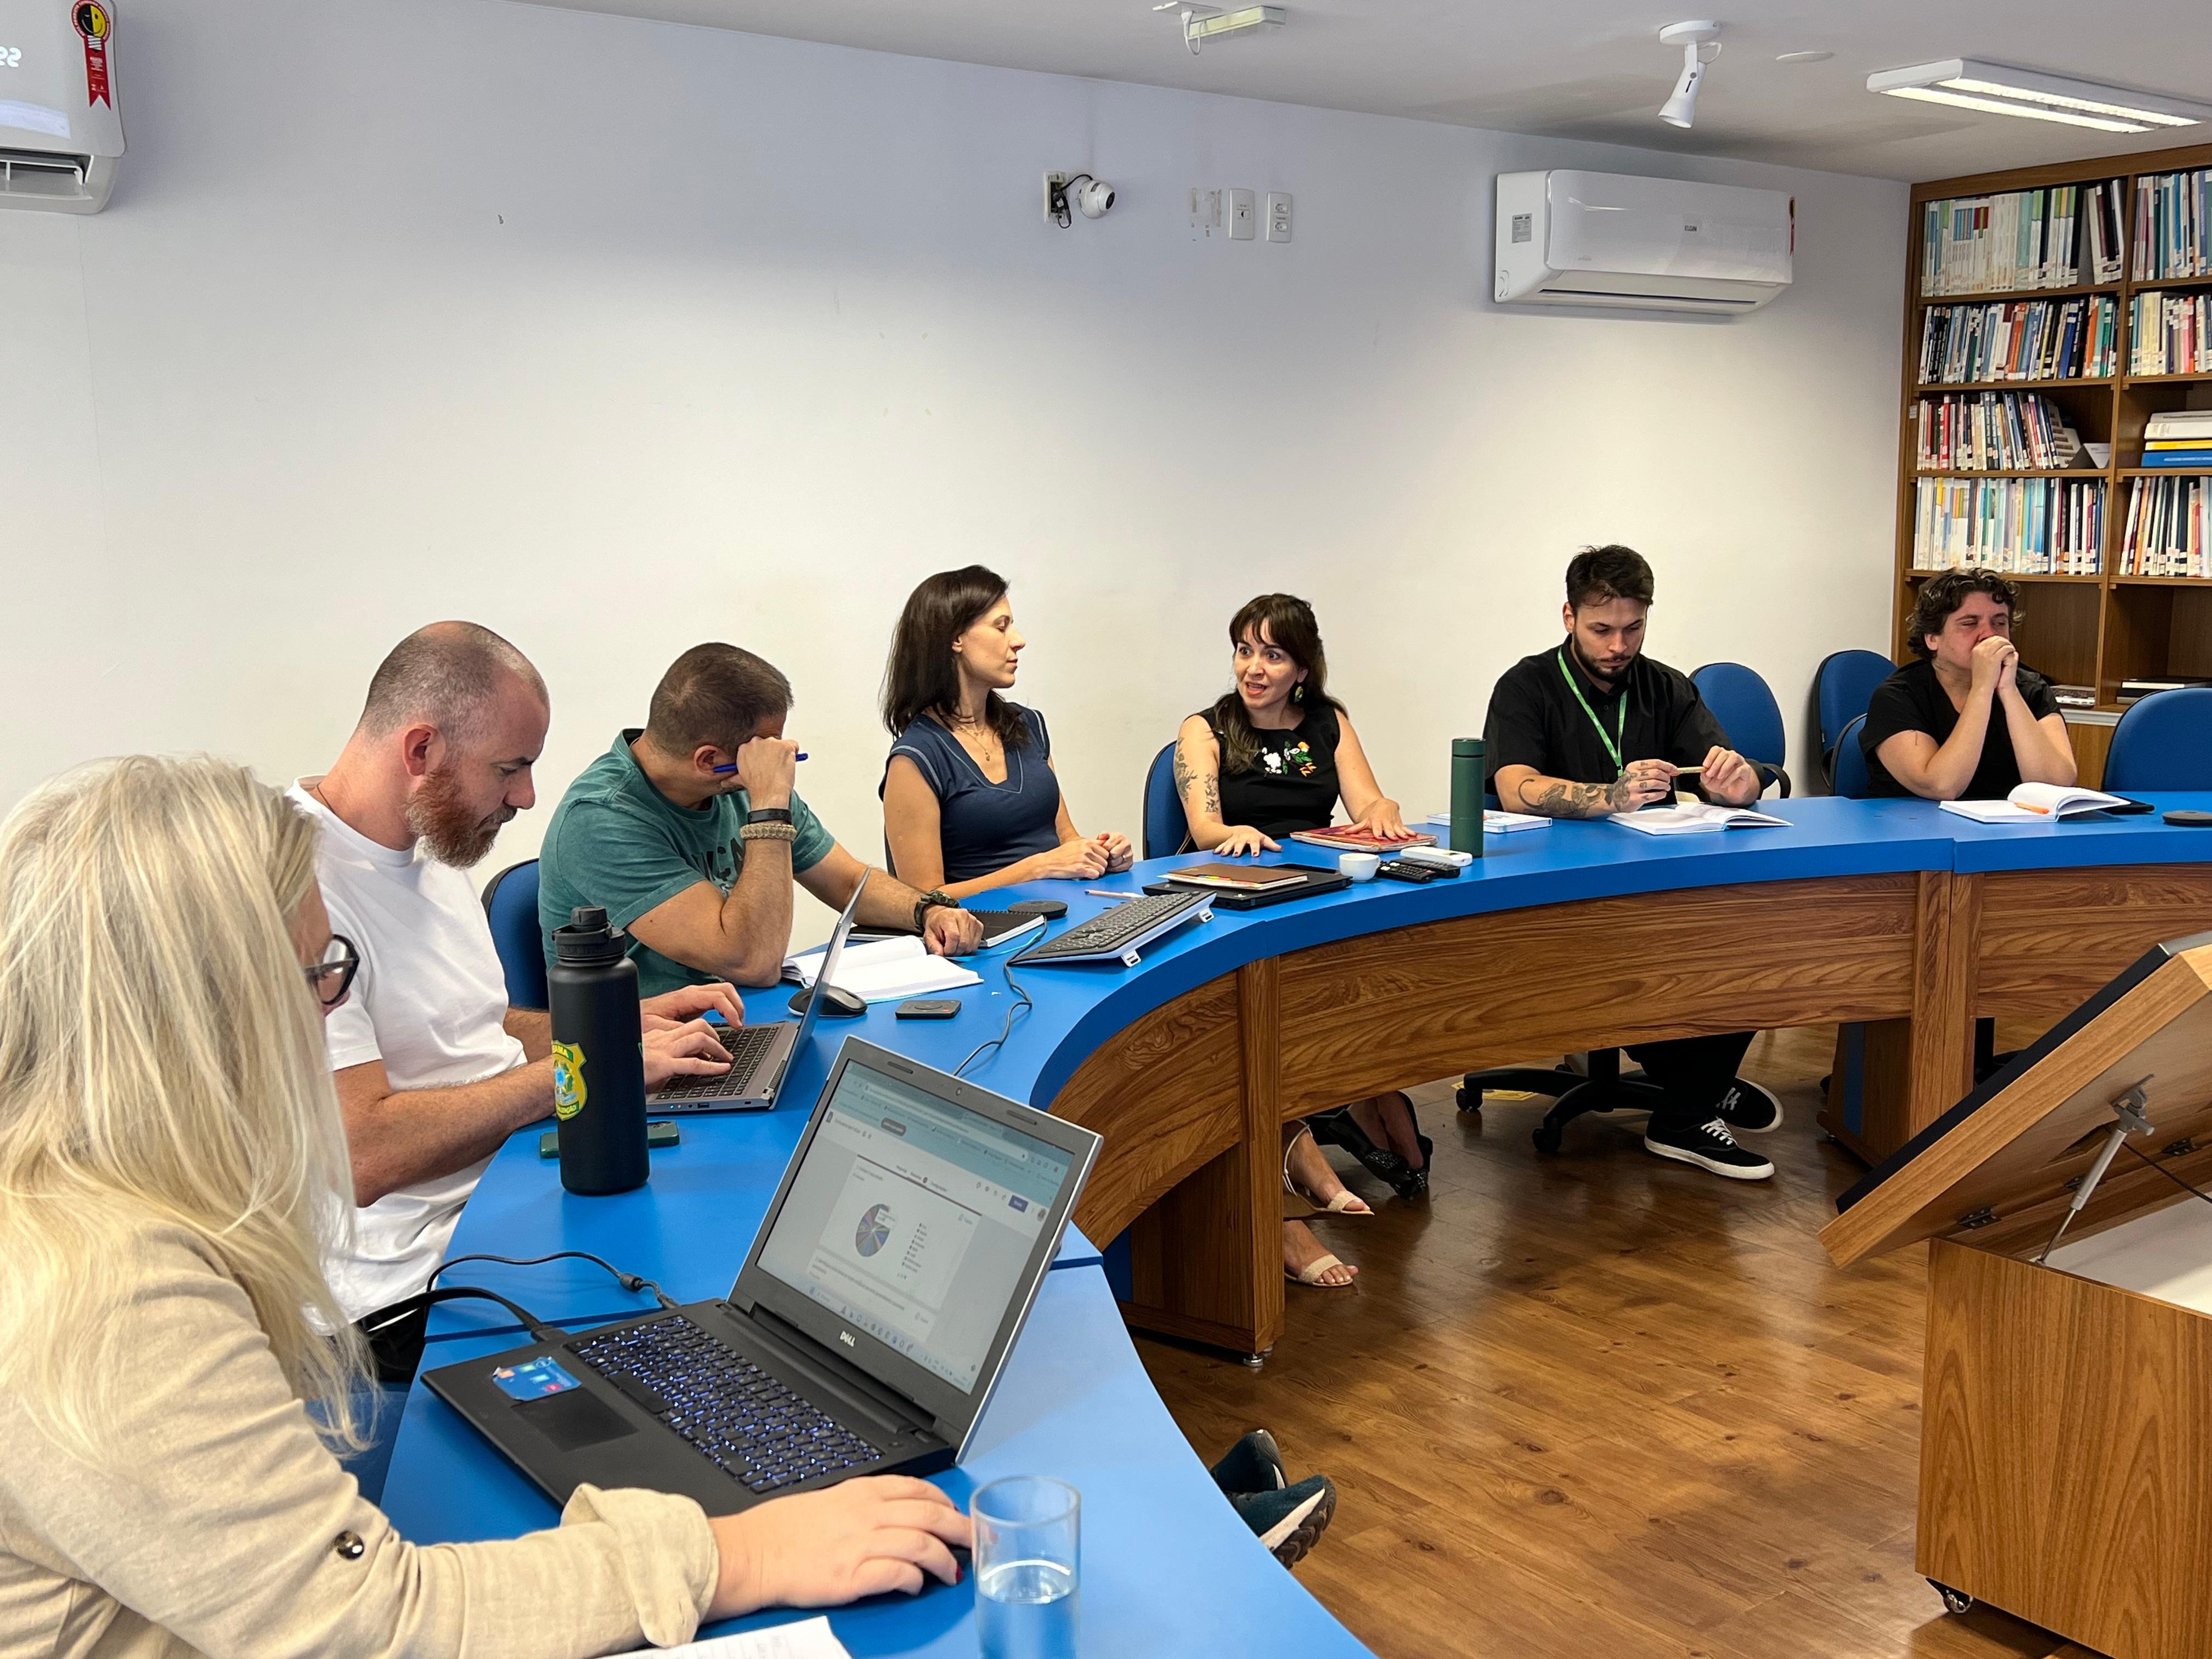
<point>1577,69</point>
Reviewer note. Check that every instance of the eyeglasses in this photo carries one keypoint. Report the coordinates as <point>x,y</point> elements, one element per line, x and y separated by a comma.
<point>332,977</point>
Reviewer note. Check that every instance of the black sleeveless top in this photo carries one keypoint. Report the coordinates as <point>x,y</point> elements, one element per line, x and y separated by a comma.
<point>1292,784</point>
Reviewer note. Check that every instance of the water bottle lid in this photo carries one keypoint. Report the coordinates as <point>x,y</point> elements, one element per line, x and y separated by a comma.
<point>1466,747</point>
<point>587,940</point>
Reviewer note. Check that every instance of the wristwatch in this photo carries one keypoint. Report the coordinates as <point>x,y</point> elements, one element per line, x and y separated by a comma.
<point>768,815</point>
<point>932,900</point>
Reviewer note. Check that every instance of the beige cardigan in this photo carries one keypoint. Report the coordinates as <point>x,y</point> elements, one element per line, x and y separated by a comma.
<point>227,1530</point>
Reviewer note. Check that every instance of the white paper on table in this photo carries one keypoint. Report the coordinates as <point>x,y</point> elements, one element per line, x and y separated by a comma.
<point>1494,823</point>
<point>1696,817</point>
<point>2034,803</point>
<point>810,1638</point>
<point>887,971</point>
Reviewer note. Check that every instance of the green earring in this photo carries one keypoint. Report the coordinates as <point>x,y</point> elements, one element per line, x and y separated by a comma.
<point>1298,692</point>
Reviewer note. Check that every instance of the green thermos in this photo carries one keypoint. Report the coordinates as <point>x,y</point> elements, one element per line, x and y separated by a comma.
<point>1467,796</point>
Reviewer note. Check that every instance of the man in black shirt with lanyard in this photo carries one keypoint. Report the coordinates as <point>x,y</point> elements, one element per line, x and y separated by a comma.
<point>1592,726</point>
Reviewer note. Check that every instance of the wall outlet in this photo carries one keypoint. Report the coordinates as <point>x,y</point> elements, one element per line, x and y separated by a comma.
<point>1205,209</point>
<point>1243,215</point>
<point>1279,215</point>
<point>1055,196</point>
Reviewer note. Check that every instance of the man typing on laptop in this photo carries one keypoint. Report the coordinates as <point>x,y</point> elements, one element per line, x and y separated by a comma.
<point>690,835</point>
<point>433,1069</point>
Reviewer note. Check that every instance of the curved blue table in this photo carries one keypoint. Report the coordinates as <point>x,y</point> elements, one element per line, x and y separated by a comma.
<point>1575,936</point>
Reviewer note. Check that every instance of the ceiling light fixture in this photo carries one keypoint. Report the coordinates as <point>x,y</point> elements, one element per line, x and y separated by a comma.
<point>1701,43</point>
<point>1996,89</point>
<point>1821,57</point>
<point>1204,23</point>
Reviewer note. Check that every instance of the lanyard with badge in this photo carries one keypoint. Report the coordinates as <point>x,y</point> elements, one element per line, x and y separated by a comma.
<point>1612,741</point>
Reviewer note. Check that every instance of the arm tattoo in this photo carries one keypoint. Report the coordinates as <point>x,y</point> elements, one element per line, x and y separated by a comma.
<point>1561,799</point>
<point>1213,795</point>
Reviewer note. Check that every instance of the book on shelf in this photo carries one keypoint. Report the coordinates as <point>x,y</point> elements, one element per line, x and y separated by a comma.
<point>1995,431</point>
<point>2020,238</point>
<point>2035,803</point>
<point>2173,225</point>
<point>2071,339</point>
<point>2074,696</point>
<point>2167,333</point>
<point>2164,531</point>
<point>2021,527</point>
<point>2136,690</point>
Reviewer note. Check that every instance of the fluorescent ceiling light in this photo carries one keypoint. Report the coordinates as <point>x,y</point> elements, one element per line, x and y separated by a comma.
<point>2036,96</point>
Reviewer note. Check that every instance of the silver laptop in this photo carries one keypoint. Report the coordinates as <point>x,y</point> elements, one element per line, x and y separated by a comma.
<point>760,1055</point>
<point>866,1330</point>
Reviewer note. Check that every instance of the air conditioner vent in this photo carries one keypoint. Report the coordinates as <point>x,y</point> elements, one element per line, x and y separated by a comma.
<point>44,175</point>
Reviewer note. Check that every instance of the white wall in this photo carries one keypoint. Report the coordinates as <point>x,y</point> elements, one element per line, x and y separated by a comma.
<point>619,336</point>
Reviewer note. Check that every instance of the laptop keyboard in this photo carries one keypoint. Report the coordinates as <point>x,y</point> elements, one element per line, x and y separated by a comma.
<point>746,1044</point>
<point>738,1417</point>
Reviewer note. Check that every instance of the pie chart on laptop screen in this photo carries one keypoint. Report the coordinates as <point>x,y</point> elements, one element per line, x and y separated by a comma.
<point>874,1231</point>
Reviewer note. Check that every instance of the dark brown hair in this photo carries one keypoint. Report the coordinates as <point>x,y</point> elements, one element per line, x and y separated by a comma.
<point>923,676</point>
<point>1942,594</point>
<point>1284,620</point>
<point>1599,575</point>
<point>714,695</point>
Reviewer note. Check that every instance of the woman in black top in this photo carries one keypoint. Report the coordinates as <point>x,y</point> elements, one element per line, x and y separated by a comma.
<point>1966,722</point>
<point>1273,756</point>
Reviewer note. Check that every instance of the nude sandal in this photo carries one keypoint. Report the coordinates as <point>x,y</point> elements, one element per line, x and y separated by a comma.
<point>1346,1203</point>
<point>1312,1275</point>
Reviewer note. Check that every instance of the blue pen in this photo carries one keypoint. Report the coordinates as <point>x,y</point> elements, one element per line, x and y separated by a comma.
<point>720,771</point>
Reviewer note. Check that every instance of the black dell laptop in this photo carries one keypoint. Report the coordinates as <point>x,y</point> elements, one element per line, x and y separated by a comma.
<point>865,1334</point>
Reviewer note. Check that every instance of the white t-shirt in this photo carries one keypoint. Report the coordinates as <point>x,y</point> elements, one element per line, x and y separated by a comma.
<point>430,1002</point>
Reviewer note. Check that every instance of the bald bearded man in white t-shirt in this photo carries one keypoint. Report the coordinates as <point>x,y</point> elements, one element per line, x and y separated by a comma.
<point>433,1068</point>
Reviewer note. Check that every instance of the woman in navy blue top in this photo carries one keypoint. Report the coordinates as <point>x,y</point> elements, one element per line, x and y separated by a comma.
<point>970,798</point>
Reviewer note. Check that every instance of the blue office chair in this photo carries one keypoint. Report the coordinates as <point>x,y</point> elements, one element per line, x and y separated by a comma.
<point>2164,742</point>
<point>1166,829</point>
<point>510,902</point>
<point>1748,713</point>
<point>1843,685</point>
<point>1851,780</point>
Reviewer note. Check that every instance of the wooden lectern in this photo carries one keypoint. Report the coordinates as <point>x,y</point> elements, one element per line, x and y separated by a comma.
<point>2066,1438</point>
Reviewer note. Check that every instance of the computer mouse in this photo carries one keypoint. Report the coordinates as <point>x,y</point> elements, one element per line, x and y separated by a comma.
<point>836,1003</point>
<point>1050,909</point>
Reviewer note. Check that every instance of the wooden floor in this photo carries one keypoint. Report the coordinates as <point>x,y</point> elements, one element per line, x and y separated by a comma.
<point>1604,1405</point>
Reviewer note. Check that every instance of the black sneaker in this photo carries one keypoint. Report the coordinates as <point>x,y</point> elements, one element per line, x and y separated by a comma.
<point>1252,1464</point>
<point>1709,1147</point>
<point>1289,1521</point>
<point>1750,1108</point>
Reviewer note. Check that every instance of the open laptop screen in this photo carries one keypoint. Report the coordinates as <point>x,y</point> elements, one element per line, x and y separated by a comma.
<point>913,1220</point>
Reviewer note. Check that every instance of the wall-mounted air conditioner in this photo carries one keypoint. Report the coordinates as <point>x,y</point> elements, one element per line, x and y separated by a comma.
<point>1605,239</point>
<point>59,131</point>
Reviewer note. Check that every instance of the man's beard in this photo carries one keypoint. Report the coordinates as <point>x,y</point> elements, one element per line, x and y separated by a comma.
<point>444,823</point>
<point>1591,669</point>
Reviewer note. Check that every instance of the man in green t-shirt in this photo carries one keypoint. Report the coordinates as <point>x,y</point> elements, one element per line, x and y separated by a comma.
<point>689,835</point>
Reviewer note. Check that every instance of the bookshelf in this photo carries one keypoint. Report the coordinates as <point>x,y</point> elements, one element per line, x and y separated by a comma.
<point>2078,630</point>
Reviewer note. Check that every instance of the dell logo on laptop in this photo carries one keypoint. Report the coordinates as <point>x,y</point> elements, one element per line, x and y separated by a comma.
<point>846,1337</point>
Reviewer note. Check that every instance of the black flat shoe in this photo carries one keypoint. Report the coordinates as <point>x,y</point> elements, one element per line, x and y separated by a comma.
<point>1337,1128</point>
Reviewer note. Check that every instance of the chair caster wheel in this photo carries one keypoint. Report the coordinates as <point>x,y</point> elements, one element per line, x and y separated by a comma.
<point>1548,1137</point>
<point>1955,1602</point>
<point>1470,1100</point>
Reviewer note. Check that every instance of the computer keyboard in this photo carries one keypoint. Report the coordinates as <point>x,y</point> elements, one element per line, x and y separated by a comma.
<point>736,1416</point>
<point>1112,932</point>
<point>745,1045</point>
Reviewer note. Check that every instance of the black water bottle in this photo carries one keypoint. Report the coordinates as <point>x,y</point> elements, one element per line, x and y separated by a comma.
<point>598,1069</point>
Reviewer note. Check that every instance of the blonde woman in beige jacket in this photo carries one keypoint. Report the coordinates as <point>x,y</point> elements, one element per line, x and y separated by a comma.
<point>171,1163</point>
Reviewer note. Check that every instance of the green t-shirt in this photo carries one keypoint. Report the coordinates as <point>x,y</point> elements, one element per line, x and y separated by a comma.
<point>618,842</point>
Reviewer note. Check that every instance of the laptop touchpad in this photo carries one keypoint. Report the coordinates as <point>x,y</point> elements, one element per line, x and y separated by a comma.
<point>574,1420</point>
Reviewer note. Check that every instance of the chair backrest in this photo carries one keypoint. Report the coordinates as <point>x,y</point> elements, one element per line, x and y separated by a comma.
<point>510,902</point>
<point>1842,686</point>
<point>1166,829</point>
<point>2163,742</point>
<point>1852,779</point>
<point>1746,710</point>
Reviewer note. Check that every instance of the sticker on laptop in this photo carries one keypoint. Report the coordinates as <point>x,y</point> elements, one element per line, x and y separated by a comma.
<point>533,1379</point>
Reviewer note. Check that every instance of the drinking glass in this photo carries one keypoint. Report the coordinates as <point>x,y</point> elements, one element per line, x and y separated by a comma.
<point>1028,1531</point>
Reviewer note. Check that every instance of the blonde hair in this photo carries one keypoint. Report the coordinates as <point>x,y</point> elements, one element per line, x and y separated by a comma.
<point>161,1055</point>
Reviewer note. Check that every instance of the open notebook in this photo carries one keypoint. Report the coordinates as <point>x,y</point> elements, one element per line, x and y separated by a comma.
<point>1697,818</point>
<point>2035,803</point>
<point>889,969</point>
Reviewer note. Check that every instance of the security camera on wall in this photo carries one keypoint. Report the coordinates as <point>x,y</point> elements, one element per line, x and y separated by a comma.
<point>60,132</point>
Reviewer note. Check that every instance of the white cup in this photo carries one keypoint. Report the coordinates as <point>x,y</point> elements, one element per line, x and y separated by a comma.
<point>1360,866</point>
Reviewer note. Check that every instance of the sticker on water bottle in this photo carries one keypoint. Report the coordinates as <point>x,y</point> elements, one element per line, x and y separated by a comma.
<point>569,1088</point>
